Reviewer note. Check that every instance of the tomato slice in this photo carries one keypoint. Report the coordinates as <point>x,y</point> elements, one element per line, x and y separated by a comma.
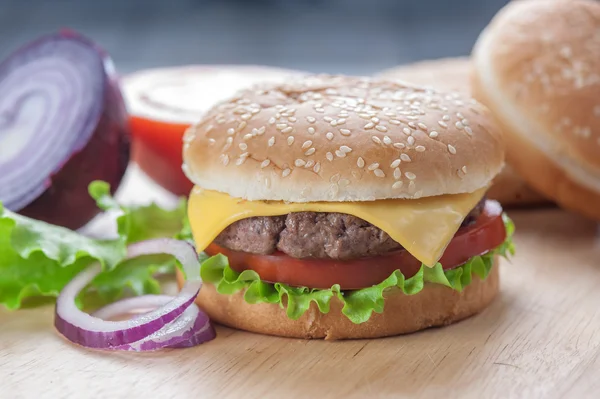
<point>485,234</point>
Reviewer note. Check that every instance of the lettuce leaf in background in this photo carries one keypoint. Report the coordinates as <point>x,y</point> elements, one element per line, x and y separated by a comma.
<point>358,305</point>
<point>39,259</point>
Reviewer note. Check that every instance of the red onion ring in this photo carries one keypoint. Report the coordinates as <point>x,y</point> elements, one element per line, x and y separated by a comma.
<point>176,323</point>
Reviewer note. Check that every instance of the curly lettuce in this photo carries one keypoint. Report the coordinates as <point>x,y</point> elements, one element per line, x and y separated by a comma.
<point>39,259</point>
<point>358,305</point>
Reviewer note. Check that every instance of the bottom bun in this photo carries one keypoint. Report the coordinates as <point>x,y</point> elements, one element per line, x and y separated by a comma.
<point>512,191</point>
<point>435,305</point>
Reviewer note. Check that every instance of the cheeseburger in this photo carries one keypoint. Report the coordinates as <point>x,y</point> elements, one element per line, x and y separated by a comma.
<point>340,207</point>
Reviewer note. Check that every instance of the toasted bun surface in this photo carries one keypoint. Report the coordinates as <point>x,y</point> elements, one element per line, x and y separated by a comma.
<point>435,305</point>
<point>334,138</point>
<point>455,74</point>
<point>537,66</point>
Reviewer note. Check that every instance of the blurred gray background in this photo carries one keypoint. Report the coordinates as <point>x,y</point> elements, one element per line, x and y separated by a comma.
<point>335,36</point>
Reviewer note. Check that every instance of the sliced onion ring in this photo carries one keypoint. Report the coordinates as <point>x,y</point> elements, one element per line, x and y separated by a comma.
<point>177,322</point>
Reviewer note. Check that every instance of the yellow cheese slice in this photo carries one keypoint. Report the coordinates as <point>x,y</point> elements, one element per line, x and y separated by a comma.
<point>423,226</point>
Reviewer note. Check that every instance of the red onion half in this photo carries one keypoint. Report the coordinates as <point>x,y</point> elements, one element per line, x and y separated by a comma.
<point>176,321</point>
<point>63,124</point>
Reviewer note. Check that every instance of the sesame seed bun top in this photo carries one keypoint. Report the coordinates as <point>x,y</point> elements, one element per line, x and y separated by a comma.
<point>537,67</point>
<point>336,138</point>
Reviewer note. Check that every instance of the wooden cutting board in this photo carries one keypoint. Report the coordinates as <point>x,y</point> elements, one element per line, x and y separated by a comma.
<point>539,339</point>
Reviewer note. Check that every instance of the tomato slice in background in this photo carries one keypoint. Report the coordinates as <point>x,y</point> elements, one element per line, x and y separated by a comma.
<point>164,102</point>
<point>485,234</point>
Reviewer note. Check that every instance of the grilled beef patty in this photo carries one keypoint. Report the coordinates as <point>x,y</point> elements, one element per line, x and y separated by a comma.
<point>314,235</point>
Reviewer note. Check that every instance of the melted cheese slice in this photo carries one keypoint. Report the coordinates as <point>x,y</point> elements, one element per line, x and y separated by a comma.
<point>423,226</point>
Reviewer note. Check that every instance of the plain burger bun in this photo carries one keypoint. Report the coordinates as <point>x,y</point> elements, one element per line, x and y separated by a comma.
<point>435,305</point>
<point>537,66</point>
<point>335,138</point>
<point>454,74</point>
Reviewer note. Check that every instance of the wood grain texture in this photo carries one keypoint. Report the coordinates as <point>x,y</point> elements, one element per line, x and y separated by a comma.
<point>539,339</point>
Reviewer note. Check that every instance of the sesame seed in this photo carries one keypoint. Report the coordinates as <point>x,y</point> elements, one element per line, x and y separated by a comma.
<point>345,131</point>
<point>412,124</point>
<point>469,130</point>
<point>395,122</point>
<point>459,116</point>
<point>406,131</point>
<point>290,140</point>
<point>329,136</point>
<point>420,148</point>
<point>306,144</point>
<point>410,175</point>
<point>422,126</point>
<point>247,136</point>
<point>271,142</point>
<point>340,154</point>
<point>261,130</point>
<point>443,124</point>
<point>373,166</point>
<point>309,164</point>
<point>345,149</point>
<point>418,194</point>
<point>459,125</point>
<point>464,169</point>
<point>446,117</point>
<point>221,121</point>
<point>287,130</point>
<point>230,131</point>
<point>329,156</point>
<point>310,151</point>
<point>341,121</point>
<point>376,139</point>
<point>399,145</point>
<point>327,118</point>
<point>311,130</point>
<point>344,182</point>
<point>267,182</point>
<point>451,149</point>
<point>319,110</point>
<point>405,157</point>
<point>311,119</point>
<point>395,164</point>
<point>211,141</point>
<point>410,140</point>
<point>411,185</point>
<point>335,178</point>
<point>360,162</point>
<point>271,120</point>
<point>317,167</point>
<point>241,160</point>
<point>241,126</point>
<point>365,116</point>
<point>299,162</point>
<point>397,173</point>
<point>433,134</point>
<point>465,122</point>
<point>225,159</point>
<point>227,143</point>
<point>243,146</point>
<point>369,125</point>
<point>387,140</point>
<point>265,163</point>
<point>397,185</point>
<point>245,117</point>
<point>379,173</point>
<point>292,119</point>
<point>375,119</point>
<point>286,172</point>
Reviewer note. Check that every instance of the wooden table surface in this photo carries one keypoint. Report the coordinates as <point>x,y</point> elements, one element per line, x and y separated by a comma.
<point>539,339</point>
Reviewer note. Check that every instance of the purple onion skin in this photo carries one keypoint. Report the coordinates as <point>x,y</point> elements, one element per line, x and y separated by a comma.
<point>66,201</point>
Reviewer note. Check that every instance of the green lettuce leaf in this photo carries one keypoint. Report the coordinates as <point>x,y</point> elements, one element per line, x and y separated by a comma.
<point>358,304</point>
<point>39,259</point>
